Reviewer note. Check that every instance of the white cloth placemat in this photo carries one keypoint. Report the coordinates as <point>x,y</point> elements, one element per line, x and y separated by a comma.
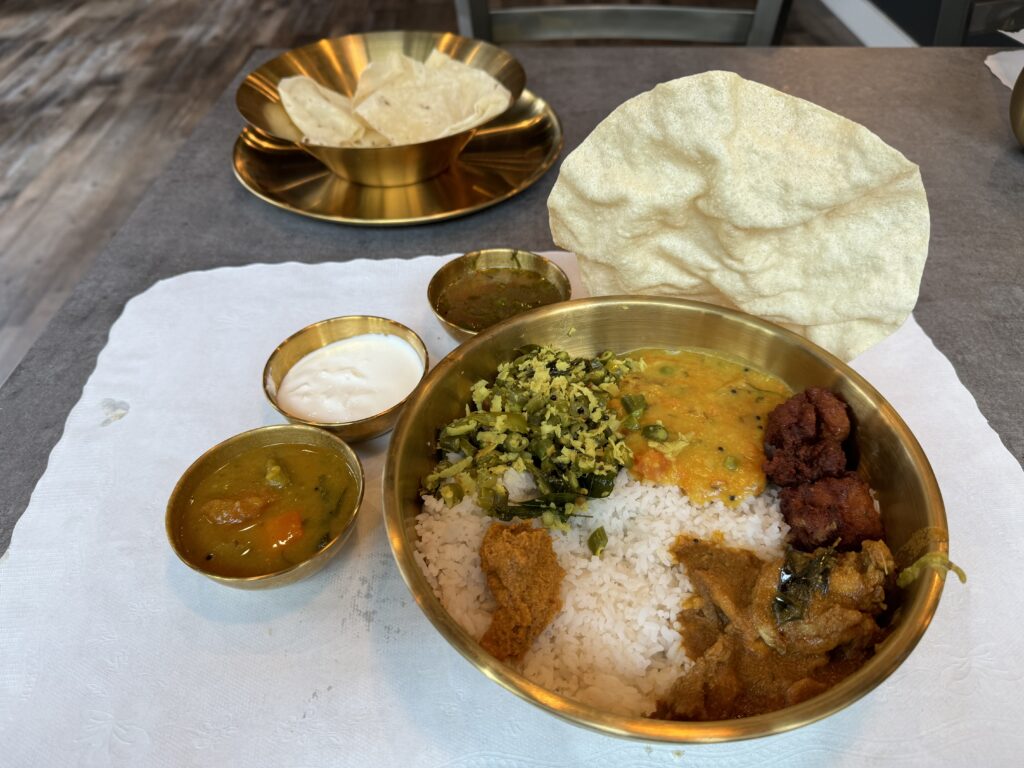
<point>114,653</point>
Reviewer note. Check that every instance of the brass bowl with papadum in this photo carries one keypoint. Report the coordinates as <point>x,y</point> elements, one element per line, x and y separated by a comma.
<point>382,109</point>
<point>719,189</point>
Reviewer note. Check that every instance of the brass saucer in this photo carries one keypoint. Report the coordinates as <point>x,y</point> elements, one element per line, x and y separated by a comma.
<point>505,157</point>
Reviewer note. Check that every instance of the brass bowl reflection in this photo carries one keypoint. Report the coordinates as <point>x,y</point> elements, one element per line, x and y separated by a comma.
<point>890,458</point>
<point>336,63</point>
<point>325,332</point>
<point>217,457</point>
<point>492,258</point>
<point>1017,108</point>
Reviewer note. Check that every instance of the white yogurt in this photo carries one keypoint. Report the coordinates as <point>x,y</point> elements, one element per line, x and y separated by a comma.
<point>351,379</point>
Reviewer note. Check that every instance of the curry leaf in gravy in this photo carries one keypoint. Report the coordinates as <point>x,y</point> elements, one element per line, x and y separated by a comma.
<point>801,575</point>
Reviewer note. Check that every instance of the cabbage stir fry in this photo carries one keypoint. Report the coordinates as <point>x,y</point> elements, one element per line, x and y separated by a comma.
<point>546,414</point>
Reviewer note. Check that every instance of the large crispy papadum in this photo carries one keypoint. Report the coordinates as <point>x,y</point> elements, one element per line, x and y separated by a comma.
<point>723,190</point>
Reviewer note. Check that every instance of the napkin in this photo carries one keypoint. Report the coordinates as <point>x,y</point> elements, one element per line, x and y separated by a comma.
<point>1006,65</point>
<point>114,653</point>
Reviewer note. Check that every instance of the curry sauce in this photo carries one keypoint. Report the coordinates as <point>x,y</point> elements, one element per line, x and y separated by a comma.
<point>703,425</point>
<point>267,509</point>
<point>488,296</point>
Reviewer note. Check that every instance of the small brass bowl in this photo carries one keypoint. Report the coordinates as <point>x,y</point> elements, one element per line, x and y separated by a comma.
<point>217,457</point>
<point>325,332</point>
<point>889,457</point>
<point>336,64</point>
<point>493,258</point>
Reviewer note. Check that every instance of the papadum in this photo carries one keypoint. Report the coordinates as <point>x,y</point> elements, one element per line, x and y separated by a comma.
<point>409,101</point>
<point>398,100</point>
<point>325,117</point>
<point>723,190</point>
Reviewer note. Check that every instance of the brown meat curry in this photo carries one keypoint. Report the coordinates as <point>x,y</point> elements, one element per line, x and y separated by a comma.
<point>747,661</point>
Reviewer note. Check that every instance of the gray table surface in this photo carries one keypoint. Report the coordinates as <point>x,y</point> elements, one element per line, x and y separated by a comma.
<point>940,107</point>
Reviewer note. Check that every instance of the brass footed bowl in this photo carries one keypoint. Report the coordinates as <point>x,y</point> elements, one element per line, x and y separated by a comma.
<point>890,458</point>
<point>337,63</point>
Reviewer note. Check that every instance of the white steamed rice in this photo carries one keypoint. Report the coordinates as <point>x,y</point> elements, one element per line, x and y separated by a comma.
<point>614,644</point>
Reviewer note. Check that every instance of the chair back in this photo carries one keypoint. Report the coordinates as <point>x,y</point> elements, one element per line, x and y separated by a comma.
<point>753,26</point>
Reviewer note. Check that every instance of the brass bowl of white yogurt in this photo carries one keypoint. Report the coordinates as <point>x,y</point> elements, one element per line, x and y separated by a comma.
<point>349,375</point>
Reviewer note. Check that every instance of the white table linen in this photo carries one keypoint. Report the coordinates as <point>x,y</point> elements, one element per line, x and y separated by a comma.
<point>114,653</point>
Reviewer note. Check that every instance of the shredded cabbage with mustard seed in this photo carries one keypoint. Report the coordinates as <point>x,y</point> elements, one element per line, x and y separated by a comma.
<point>547,414</point>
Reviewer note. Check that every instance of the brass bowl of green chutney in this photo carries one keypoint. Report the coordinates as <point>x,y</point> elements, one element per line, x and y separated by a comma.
<point>481,288</point>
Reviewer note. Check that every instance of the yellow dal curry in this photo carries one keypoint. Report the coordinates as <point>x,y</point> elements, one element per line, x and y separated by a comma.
<point>713,412</point>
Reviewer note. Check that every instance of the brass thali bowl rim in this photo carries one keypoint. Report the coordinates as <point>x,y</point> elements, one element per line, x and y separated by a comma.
<point>243,148</point>
<point>274,434</point>
<point>349,430</point>
<point>919,606</point>
<point>458,268</point>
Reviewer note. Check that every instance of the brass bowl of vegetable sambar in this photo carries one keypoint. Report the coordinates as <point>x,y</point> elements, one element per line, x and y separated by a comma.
<point>469,266</point>
<point>224,452</point>
<point>890,458</point>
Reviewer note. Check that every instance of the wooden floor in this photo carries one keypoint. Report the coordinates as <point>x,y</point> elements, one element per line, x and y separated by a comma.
<point>83,82</point>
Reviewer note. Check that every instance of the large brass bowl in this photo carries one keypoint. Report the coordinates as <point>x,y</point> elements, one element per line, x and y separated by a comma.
<point>890,457</point>
<point>337,63</point>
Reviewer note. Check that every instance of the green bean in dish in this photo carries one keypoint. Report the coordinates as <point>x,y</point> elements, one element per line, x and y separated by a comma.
<point>547,414</point>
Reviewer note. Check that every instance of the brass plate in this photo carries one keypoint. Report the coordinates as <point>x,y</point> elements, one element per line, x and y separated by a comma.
<point>501,160</point>
<point>890,458</point>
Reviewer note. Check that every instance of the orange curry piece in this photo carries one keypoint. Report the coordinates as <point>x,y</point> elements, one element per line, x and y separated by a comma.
<point>525,578</point>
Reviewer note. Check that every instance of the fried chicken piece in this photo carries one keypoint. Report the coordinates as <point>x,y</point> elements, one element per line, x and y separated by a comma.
<point>831,508</point>
<point>525,578</point>
<point>803,438</point>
